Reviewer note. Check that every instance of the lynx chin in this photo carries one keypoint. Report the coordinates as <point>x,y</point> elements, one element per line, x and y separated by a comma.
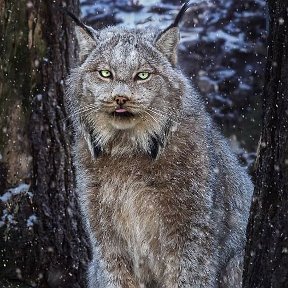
<point>164,199</point>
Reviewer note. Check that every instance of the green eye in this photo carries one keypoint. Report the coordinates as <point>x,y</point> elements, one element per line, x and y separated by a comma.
<point>105,73</point>
<point>143,75</point>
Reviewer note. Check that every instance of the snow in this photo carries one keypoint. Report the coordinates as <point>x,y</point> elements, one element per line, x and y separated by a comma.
<point>7,218</point>
<point>21,188</point>
<point>227,73</point>
<point>281,21</point>
<point>31,220</point>
<point>231,42</point>
<point>244,86</point>
<point>141,13</point>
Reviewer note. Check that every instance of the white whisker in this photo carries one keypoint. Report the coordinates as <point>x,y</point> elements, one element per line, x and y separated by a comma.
<point>157,112</point>
<point>82,110</point>
<point>160,122</point>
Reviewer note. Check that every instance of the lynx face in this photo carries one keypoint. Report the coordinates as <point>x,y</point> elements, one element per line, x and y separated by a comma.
<point>124,85</point>
<point>127,83</point>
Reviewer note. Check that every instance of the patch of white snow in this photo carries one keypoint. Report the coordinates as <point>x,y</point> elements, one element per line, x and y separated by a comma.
<point>21,188</point>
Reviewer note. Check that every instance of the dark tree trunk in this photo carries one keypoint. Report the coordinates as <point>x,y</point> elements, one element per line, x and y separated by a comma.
<point>266,261</point>
<point>42,240</point>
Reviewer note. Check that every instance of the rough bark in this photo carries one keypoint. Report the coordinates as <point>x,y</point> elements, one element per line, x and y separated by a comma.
<point>49,249</point>
<point>266,261</point>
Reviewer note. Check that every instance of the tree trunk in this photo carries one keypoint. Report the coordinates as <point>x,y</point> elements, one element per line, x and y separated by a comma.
<point>266,261</point>
<point>42,240</point>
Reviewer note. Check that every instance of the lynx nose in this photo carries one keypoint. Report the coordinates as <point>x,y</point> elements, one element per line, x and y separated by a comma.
<point>120,100</point>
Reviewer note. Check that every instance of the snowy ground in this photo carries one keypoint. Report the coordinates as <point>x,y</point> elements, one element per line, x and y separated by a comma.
<point>7,217</point>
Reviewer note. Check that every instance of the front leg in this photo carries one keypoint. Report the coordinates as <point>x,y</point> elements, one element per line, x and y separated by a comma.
<point>190,272</point>
<point>231,275</point>
<point>192,261</point>
<point>111,272</point>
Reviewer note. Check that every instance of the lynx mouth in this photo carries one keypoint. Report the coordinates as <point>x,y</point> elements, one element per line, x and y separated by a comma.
<point>122,113</point>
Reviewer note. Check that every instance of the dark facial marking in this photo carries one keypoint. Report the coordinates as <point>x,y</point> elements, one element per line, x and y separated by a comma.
<point>155,143</point>
<point>97,149</point>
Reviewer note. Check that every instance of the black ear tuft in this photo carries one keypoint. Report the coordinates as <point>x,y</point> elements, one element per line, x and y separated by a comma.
<point>167,41</point>
<point>86,36</point>
<point>76,20</point>
<point>180,15</point>
<point>178,18</point>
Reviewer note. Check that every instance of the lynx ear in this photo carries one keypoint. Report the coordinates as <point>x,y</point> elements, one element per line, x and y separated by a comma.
<point>86,35</point>
<point>167,44</point>
<point>86,41</point>
<point>167,41</point>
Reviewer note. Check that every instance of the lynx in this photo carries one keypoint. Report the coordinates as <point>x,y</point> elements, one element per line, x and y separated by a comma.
<point>164,199</point>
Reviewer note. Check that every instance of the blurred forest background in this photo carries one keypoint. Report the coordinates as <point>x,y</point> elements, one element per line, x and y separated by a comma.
<point>222,50</point>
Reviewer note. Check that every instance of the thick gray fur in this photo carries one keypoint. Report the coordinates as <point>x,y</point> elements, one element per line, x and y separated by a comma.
<point>165,200</point>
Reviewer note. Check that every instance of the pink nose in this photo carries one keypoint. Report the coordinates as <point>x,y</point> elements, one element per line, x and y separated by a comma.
<point>120,100</point>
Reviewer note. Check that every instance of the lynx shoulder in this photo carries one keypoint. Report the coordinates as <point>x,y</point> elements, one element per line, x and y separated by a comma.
<point>164,199</point>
